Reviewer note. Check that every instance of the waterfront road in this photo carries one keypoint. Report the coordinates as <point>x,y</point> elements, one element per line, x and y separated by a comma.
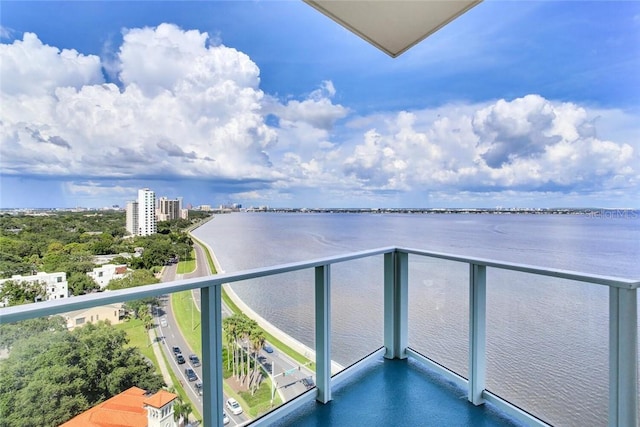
<point>288,373</point>
<point>285,370</point>
<point>172,337</point>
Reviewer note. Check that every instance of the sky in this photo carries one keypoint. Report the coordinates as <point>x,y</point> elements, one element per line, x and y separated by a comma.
<point>271,103</point>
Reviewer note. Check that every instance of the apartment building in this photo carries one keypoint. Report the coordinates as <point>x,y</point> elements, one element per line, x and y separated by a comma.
<point>104,274</point>
<point>55,285</point>
<point>169,209</point>
<point>132,217</point>
<point>146,212</point>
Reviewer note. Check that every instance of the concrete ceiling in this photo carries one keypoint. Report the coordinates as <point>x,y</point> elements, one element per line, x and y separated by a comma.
<point>393,26</point>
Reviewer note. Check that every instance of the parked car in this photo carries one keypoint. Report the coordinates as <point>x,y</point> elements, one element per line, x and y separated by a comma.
<point>176,350</point>
<point>180,359</point>
<point>234,406</point>
<point>308,383</point>
<point>191,374</point>
<point>195,362</point>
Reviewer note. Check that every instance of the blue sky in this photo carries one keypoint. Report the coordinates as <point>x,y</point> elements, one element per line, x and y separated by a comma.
<point>514,104</point>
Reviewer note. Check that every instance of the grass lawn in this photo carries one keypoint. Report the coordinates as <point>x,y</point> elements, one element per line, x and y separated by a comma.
<point>188,318</point>
<point>139,337</point>
<point>187,266</point>
<point>183,308</point>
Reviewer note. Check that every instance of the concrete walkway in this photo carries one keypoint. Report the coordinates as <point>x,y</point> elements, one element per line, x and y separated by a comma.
<point>161,362</point>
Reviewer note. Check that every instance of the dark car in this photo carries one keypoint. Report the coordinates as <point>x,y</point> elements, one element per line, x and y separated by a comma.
<point>191,374</point>
<point>180,359</point>
<point>176,350</point>
<point>194,360</point>
<point>308,383</point>
<point>268,348</point>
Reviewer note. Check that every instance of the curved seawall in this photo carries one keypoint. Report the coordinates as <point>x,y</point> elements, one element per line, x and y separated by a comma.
<point>287,339</point>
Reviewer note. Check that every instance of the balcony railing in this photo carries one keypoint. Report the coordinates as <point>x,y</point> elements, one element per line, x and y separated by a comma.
<point>623,335</point>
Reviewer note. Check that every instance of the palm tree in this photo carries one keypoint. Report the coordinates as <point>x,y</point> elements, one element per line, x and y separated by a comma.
<point>229,327</point>
<point>181,409</point>
<point>257,340</point>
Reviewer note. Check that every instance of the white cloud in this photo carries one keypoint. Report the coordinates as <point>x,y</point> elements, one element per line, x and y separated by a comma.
<point>184,109</point>
<point>529,143</point>
<point>31,68</point>
<point>317,110</point>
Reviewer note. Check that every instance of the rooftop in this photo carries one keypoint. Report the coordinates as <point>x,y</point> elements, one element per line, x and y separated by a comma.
<point>123,410</point>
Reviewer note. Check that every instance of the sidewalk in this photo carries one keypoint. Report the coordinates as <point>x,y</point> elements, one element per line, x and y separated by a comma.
<point>161,362</point>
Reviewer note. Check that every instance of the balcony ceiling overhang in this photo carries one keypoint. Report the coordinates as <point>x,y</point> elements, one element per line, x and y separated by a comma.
<point>393,26</point>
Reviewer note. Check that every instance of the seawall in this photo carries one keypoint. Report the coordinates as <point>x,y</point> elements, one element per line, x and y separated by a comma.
<point>287,339</point>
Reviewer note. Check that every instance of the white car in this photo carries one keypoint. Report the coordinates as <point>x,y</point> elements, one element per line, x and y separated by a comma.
<point>234,406</point>
<point>225,418</point>
<point>163,322</point>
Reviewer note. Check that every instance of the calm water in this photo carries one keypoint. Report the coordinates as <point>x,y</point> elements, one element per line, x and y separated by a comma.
<point>547,339</point>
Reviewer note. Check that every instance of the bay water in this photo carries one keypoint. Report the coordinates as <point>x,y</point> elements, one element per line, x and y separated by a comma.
<point>547,339</point>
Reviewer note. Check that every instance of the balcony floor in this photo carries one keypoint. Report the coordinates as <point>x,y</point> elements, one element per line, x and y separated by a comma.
<point>397,392</point>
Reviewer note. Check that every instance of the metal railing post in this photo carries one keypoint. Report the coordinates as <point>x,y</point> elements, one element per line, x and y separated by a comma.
<point>211,318</point>
<point>623,357</point>
<point>396,267</point>
<point>323,333</point>
<point>477,332</point>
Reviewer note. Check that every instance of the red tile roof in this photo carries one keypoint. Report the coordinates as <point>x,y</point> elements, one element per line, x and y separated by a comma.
<point>160,399</point>
<point>126,409</point>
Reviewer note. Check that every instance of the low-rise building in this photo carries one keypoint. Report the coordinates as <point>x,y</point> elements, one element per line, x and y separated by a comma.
<point>114,313</point>
<point>55,285</point>
<point>104,274</point>
<point>131,408</point>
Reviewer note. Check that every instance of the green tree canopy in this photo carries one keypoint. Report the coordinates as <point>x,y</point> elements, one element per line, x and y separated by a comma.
<point>53,375</point>
<point>18,292</point>
<point>133,279</point>
<point>80,283</point>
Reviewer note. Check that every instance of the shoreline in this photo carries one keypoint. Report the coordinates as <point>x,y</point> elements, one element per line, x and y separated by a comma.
<point>294,344</point>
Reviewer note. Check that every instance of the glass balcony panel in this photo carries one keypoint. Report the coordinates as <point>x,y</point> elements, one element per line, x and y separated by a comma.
<point>547,346</point>
<point>55,368</point>
<point>439,311</point>
<point>283,306</point>
<point>357,309</point>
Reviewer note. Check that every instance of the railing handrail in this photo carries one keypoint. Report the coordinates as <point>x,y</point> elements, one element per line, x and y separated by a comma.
<point>47,308</point>
<point>613,281</point>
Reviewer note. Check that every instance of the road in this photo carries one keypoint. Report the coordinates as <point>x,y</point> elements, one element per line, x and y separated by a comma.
<point>173,337</point>
<point>288,373</point>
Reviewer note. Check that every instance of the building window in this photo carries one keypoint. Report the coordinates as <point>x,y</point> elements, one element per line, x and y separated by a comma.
<point>79,321</point>
<point>59,279</point>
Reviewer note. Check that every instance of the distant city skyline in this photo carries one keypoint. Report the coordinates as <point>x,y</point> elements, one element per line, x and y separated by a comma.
<point>270,103</point>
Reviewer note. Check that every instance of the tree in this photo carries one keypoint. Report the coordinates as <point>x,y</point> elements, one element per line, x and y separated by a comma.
<point>257,340</point>
<point>181,409</point>
<point>22,292</point>
<point>51,376</point>
<point>132,279</point>
<point>80,283</point>
<point>12,332</point>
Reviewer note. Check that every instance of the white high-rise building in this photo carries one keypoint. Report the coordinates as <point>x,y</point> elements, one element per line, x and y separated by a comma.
<point>146,212</point>
<point>132,217</point>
